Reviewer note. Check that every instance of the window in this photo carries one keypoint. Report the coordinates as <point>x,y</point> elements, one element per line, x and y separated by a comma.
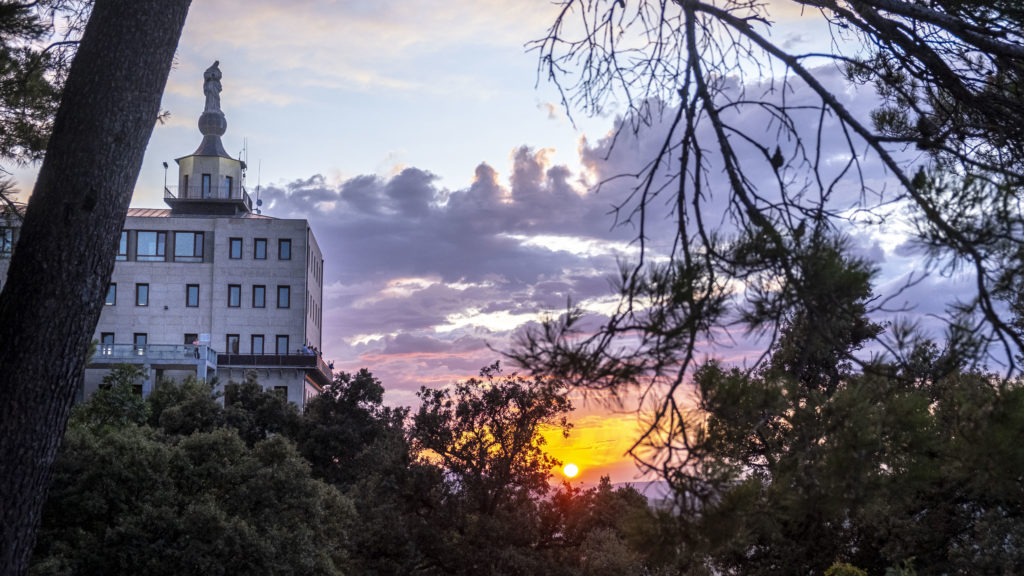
<point>284,296</point>
<point>107,343</point>
<point>6,242</point>
<point>259,296</point>
<point>150,246</point>
<point>259,249</point>
<point>185,192</point>
<point>191,339</point>
<point>188,246</point>
<point>140,343</point>
<point>282,344</point>
<point>235,252</point>
<point>192,295</point>
<point>234,295</point>
<point>284,249</point>
<point>229,183</point>
<point>142,294</point>
<point>232,343</point>
<point>111,295</point>
<point>205,191</point>
<point>122,246</point>
<point>257,344</point>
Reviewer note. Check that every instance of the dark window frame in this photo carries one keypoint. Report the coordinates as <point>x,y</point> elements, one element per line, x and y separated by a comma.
<point>263,302</point>
<point>160,246</point>
<point>287,296</point>
<point>277,344</point>
<point>281,243</point>
<point>107,343</point>
<point>252,344</point>
<point>139,292</point>
<point>236,290</point>
<point>231,248</point>
<point>135,341</point>
<point>257,243</point>
<point>111,298</point>
<point>228,349</point>
<point>198,242</point>
<point>122,247</point>
<point>188,296</point>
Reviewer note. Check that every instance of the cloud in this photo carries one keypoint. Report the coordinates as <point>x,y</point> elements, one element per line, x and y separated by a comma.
<point>425,284</point>
<point>419,275</point>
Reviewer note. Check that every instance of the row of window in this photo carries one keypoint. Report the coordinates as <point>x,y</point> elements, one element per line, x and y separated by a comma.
<point>315,265</point>
<point>151,246</point>
<point>205,189</point>
<point>259,249</point>
<point>257,342</point>
<point>259,295</point>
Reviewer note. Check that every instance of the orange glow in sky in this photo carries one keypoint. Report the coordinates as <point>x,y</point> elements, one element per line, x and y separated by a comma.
<point>597,445</point>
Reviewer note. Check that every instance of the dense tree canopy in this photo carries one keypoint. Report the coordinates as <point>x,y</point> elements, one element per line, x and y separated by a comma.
<point>180,483</point>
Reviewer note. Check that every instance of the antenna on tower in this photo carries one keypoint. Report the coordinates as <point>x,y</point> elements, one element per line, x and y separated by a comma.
<point>243,157</point>
<point>259,201</point>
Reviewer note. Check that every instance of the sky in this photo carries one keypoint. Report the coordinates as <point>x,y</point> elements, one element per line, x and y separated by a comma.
<point>452,196</point>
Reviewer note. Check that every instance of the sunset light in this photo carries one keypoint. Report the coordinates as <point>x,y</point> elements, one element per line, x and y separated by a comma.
<point>570,470</point>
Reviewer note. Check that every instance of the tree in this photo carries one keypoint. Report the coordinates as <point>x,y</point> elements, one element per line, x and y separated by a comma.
<point>751,206</point>
<point>485,435</point>
<point>607,530</point>
<point>32,75</point>
<point>347,432</point>
<point>65,255</point>
<point>116,402</point>
<point>256,413</point>
<point>131,498</point>
<point>359,445</point>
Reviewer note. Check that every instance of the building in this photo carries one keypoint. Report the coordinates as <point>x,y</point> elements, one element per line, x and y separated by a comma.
<point>208,286</point>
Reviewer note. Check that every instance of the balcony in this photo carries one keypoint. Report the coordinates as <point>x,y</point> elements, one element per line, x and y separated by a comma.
<point>318,369</point>
<point>205,200</point>
<point>161,356</point>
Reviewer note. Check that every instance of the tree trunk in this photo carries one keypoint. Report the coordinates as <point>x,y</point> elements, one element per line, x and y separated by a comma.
<point>65,255</point>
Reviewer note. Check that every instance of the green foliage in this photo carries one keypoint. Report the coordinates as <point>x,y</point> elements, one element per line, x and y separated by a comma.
<point>188,486</point>
<point>347,432</point>
<point>136,500</point>
<point>487,434</point>
<point>844,569</point>
<point>33,65</point>
<point>117,402</point>
<point>258,414</point>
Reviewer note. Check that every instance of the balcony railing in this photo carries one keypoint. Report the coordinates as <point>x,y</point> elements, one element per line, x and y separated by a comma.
<point>200,193</point>
<point>155,354</point>
<point>282,360</point>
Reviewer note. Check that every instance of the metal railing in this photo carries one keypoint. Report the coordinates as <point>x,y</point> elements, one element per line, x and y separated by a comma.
<point>214,193</point>
<point>153,354</point>
<point>283,360</point>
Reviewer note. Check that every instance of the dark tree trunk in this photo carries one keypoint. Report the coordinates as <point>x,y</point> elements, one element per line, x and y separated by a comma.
<point>62,263</point>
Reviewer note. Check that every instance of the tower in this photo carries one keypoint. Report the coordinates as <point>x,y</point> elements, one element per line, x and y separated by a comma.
<point>210,181</point>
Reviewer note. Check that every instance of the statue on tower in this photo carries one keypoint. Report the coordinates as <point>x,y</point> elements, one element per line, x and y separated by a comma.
<point>212,88</point>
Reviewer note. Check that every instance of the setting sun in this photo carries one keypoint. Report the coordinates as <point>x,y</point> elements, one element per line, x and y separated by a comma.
<point>570,470</point>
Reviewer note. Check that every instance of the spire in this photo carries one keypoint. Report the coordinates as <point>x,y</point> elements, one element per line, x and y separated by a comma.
<point>212,123</point>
